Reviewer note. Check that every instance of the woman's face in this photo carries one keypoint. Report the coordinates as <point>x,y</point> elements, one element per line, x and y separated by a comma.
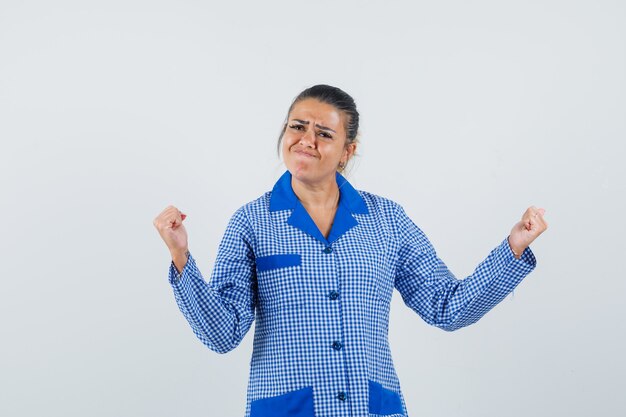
<point>314,141</point>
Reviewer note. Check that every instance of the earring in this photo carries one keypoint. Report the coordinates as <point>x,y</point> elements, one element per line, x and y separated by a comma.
<point>342,165</point>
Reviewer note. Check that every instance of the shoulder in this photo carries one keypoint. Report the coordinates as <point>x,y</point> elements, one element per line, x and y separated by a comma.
<point>379,205</point>
<point>243,221</point>
<point>393,213</point>
<point>256,207</point>
<point>246,215</point>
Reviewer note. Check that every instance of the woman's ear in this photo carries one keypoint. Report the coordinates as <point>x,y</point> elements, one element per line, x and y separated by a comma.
<point>350,150</point>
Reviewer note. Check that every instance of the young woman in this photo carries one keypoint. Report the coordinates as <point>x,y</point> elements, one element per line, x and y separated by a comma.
<point>315,262</point>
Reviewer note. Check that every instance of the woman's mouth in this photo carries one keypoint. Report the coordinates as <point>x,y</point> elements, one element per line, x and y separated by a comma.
<point>304,154</point>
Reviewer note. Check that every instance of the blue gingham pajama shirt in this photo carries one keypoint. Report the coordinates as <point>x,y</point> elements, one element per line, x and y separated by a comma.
<point>322,304</point>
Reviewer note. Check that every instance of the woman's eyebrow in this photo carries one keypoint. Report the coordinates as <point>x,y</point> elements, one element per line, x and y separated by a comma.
<point>304,122</point>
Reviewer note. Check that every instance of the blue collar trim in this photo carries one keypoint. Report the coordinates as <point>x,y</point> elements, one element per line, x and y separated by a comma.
<point>350,202</point>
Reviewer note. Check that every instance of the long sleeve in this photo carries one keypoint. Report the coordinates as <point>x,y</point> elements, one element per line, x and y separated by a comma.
<point>220,312</point>
<point>436,295</point>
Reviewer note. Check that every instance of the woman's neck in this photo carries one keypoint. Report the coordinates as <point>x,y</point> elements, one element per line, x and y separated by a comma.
<point>323,195</point>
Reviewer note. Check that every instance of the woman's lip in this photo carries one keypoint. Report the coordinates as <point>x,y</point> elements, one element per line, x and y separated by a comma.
<point>305,154</point>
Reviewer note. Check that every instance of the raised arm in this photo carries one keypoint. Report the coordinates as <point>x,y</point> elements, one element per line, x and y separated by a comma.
<point>442,300</point>
<point>220,312</point>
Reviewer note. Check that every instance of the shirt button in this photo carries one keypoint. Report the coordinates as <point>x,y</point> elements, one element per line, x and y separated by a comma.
<point>328,249</point>
<point>342,396</point>
<point>333,295</point>
<point>337,345</point>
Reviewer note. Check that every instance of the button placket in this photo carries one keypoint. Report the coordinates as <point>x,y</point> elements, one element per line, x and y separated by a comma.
<point>336,345</point>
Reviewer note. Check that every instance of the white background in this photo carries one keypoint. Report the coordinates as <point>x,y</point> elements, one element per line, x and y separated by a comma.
<point>471,112</point>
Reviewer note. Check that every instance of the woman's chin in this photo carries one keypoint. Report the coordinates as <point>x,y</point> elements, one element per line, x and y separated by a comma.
<point>300,172</point>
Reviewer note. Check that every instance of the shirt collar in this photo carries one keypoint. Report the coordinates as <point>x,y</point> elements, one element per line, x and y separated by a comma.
<point>350,202</point>
<point>283,197</point>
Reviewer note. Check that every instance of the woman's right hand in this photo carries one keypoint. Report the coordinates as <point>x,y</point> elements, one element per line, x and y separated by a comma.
<point>170,226</point>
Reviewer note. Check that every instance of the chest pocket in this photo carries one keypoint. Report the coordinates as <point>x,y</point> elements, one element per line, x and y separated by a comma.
<point>279,279</point>
<point>265,263</point>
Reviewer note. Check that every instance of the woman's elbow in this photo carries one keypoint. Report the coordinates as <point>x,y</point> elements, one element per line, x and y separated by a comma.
<point>456,324</point>
<point>450,327</point>
<point>218,346</point>
<point>226,338</point>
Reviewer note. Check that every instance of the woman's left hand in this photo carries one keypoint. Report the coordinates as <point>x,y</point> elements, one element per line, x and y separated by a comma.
<point>525,231</point>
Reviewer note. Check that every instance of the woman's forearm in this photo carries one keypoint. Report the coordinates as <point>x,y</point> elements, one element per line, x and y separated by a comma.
<point>180,259</point>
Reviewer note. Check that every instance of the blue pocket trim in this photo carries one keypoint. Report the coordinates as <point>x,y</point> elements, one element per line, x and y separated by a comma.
<point>264,263</point>
<point>297,403</point>
<point>383,401</point>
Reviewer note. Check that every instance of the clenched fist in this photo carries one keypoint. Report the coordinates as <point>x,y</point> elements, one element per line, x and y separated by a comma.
<point>170,226</point>
<point>526,230</point>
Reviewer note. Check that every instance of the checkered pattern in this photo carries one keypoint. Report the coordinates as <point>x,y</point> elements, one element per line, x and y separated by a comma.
<point>320,343</point>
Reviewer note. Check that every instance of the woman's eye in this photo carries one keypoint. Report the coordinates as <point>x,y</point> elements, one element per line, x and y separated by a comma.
<point>301,127</point>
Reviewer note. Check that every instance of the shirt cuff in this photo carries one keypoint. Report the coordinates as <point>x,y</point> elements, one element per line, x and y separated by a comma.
<point>528,257</point>
<point>174,276</point>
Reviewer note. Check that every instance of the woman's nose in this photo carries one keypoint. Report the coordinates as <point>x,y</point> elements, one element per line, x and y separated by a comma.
<point>308,138</point>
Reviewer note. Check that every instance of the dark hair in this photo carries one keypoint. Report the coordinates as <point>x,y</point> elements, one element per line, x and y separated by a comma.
<point>335,97</point>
